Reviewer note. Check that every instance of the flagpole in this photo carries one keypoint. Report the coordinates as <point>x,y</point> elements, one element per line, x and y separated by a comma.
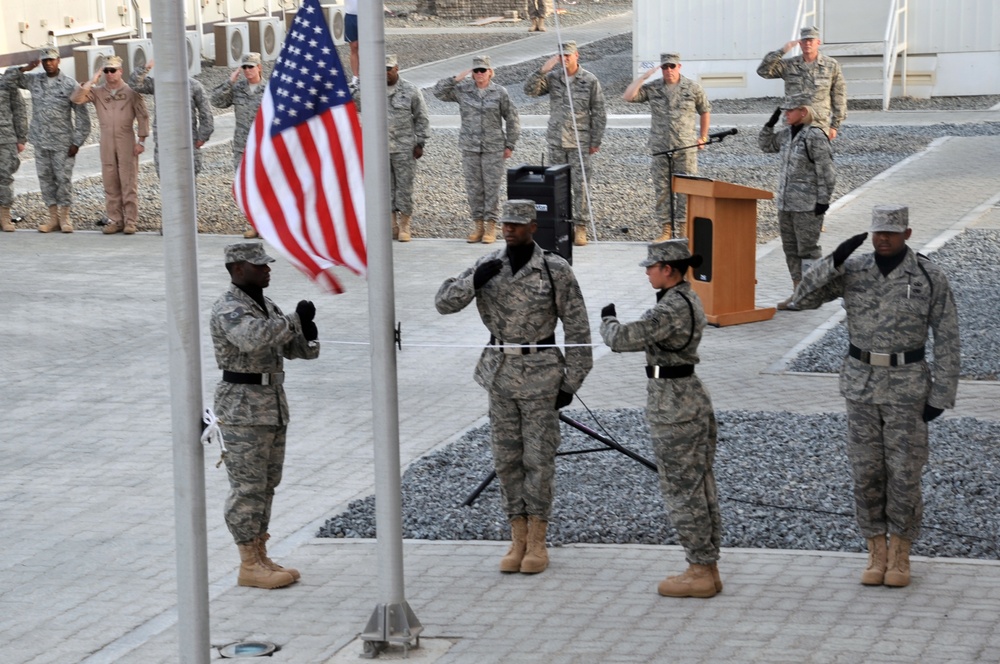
<point>392,621</point>
<point>176,152</point>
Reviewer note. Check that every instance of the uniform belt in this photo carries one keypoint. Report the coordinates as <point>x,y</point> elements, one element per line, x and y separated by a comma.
<point>523,349</point>
<point>276,378</point>
<point>886,359</point>
<point>678,371</point>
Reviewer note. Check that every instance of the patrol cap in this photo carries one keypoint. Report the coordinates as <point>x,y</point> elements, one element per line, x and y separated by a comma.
<point>810,32</point>
<point>569,48</point>
<point>247,252</point>
<point>518,211</point>
<point>252,59</point>
<point>113,61</point>
<point>666,252</point>
<point>795,101</point>
<point>48,53</point>
<point>481,62</point>
<point>890,219</point>
<point>391,60</point>
<point>670,59</point>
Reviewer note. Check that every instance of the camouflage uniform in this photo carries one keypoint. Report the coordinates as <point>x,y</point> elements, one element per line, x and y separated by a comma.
<point>490,125</point>
<point>13,131</point>
<point>202,122</point>
<point>806,178</point>
<point>887,437</point>
<point>591,118</point>
<point>674,110</point>
<point>819,80</point>
<point>254,418</point>
<point>523,309</point>
<point>539,8</point>
<point>56,124</point>
<point>245,100</point>
<point>680,415</point>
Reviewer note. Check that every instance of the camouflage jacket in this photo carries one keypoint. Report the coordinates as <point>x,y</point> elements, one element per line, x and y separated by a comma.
<point>484,115</point>
<point>13,116</point>
<point>56,122</point>
<point>890,315</point>
<point>806,176</point>
<point>670,334</point>
<point>202,122</point>
<point>588,106</point>
<point>674,113</point>
<point>250,340</point>
<point>245,102</point>
<point>524,309</point>
<point>820,80</point>
<point>407,118</point>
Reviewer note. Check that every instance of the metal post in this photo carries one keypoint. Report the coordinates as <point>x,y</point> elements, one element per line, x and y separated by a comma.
<point>392,620</point>
<point>176,150</point>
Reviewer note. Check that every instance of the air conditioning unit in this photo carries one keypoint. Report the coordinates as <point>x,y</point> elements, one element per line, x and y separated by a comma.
<point>334,15</point>
<point>266,35</point>
<point>88,59</point>
<point>193,40</point>
<point>232,41</point>
<point>135,53</point>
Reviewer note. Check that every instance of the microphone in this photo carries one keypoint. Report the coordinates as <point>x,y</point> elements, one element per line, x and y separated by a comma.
<point>719,135</point>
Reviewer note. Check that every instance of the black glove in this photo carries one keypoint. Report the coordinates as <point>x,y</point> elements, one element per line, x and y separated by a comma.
<point>563,399</point>
<point>931,413</point>
<point>306,310</point>
<point>485,272</point>
<point>309,330</point>
<point>609,311</point>
<point>774,118</point>
<point>821,209</point>
<point>847,248</point>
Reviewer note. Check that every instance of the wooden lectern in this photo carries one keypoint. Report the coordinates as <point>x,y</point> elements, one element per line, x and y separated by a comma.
<point>722,227</point>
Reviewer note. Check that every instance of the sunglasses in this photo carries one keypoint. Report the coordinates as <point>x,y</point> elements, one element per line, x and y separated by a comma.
<point>249,66</point>
<point>110,70</point>
<point>479,70</point>
<point>670,65</point>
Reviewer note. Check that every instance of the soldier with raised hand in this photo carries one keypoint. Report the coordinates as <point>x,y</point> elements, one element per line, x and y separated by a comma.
<point>588,120</point>
<point>805,185</point>
<point>679,412</point>
<point>58,129</point>
<point>489,131</point>
<point>13,137</point>
<point>521,293</point>
<point>893,297</point>
<point>252,337</point>
<point>812,75</point>
<point>675,102</point>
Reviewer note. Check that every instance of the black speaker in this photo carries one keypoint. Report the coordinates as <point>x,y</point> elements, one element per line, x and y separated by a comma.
<point>702,238</point>
<point>549,187</point>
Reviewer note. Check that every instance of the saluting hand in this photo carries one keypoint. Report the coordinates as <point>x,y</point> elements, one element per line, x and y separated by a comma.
<point>306,310</point>
<point>609,310</point>
<point>486,271</point>
<point>847,248</point>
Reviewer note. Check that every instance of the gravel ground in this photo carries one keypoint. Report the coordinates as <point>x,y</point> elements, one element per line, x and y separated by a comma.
<point>784,483</point>
<point>970,262</point>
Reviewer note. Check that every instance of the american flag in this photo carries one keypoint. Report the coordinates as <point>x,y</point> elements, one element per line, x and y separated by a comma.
<point>301,182</point>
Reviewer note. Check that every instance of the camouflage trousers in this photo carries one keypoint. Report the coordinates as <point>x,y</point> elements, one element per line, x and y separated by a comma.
<point>525,437</point>
<point>685,452</point>
<point>55,175</point>
<point>799,239</point>
<point>538,8</point>
<point>483,176</point>
<point>254,461</point>
<point>197,159</point>
<point>9,163</point>
<point>660,171</point>
<point>571,156</point>
<point>402,173</point>
<point>887,449</point>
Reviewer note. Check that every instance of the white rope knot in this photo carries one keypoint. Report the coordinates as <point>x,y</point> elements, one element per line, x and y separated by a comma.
<point>212,433</point>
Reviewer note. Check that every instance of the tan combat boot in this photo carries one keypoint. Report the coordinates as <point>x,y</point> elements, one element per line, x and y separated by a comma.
<point>696,581</point>
<point>534,25</point>
<point>5,222</point>
<point>716,578</point>
<point>580,235</point>
<point>897,573</point>
<point>250,233</point>
<point>874,574</point>
<point>540,25</point>
<point>395,227</point>
<point>536,558</point>
<point>254,574</point>
<point>490,232</point>
<point>477,234</point>
<point>65,223</point>
<point>270,564</point>
<point>129,228</point>
<point>404,227</point>
<point>53,223</point>
<point>518,544</point>
<point>111,227</point>
<point>784,304</point>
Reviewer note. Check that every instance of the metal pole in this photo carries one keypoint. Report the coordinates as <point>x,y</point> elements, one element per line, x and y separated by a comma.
<point>392,620</point>
<point>176,151</point>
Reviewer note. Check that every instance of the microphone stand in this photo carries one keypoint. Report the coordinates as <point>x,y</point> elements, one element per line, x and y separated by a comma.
<point>670,171</point>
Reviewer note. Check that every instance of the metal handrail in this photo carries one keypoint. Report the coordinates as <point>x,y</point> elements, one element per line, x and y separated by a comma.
<point>802,15</point>
<point>893,46</point>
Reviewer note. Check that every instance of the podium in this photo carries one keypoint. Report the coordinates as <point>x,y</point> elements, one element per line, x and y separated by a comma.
<point>722,227</point>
